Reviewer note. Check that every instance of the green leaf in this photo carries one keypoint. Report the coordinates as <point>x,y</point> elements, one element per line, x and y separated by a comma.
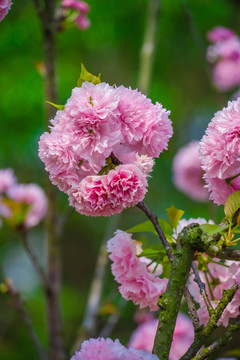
<point>174,215</point>
<point>59,107</point>
<point>87,76</point>
<point>147,226</point>
<point>153,252</point>
<point>212,229</point>
<point>232,205</point>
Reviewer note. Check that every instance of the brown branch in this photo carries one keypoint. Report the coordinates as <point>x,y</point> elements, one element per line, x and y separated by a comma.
<point>154,220</point>
<point>192,309</point>
<point>34,259</point>
<point>229,254</point>
<point>201,285</point>
<point>18,304</point>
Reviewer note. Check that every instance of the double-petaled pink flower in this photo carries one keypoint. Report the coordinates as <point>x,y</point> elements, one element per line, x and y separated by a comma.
<point>82,9</point>
<point>4,8</point>
<point>101,146</point>
<point>137,282</point>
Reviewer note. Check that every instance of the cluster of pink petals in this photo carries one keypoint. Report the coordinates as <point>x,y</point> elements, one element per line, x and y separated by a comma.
<point>107,349</point>
<point>7,179</point>
<point>143,337</point>
<point>220,153</point>
<point>225,54</point>
<point>220,278</point>
<point>187,172</point>
<point>137,282</point>
<point>4,8</point>
<point>82,8</point>
<point>32,195</point>
<point>99,121</point>
<point>26,194</point>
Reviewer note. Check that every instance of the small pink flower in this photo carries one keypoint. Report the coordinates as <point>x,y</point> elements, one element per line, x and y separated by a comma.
<point>32,195</point>
<point>137,283</point>
<point>81,6</point>
<point>219,33</point>
<point>143,336</point>
<point>188,174</point>
<point>7,179</point>
<point>226,74</point>
<point>4,8</point>
<point>82,22</point>
<point>106,349</point>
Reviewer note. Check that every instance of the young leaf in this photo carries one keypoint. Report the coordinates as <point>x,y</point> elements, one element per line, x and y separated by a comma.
<point>174,215</point>
<point>147,226</point>
<point>212,229</point>
<point>232,205</point>
<point>87,76</point>
<point>59,107</point>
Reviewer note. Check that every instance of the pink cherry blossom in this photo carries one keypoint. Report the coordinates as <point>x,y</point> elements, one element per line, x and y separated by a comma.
<point>226,74</point>
<point>137,283</point>
<point>188,174</point>
<point>109,194</point>
<point>143,336</point>
<point>32,195</point>
<point>219,153</point>
<point>82,7</point>
<point>107,349</point>
<point>82,22</point>
<point>7,179</point>
<point>4,8</point>
<point>219,33</point>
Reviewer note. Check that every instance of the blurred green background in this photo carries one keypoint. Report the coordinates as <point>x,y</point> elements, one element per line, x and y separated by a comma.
<point>180,81</point>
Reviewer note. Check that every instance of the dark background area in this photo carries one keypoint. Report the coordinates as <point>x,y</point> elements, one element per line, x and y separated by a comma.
<point>181,81</point>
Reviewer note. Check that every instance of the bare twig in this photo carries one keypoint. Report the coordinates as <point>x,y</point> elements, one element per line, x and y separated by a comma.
<point>34,259</point>
<point>148,47</point>
<point>202,288</point>
<point>18,304</point>
<point>154,220</point>
<point>192,309</point>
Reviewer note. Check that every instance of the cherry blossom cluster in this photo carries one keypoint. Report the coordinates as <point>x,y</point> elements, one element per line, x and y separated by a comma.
<point>217,277</point>
<point>143,337</point>
<point>107,349</point>
<point>188,174</point>
<point>101,147</point>
<point>225,56</point>
<point>21,204</point>
<point>4,8</point>
<point>82,9</point>
<point>219,153</point>
<point>137,280</point>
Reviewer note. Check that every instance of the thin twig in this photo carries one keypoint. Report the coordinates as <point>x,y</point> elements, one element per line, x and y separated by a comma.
<point>192,309</point>
<point>18,304</point>
<point>202,288</point>
<point>148,47</point>
<point>223,340</point>
<point>154,220</point>
<point>201,336</point>
<point>34,259</point>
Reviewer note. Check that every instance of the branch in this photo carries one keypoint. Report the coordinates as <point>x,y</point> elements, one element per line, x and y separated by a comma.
<point>228,254</point>
<point>33,258</point>
<point>201,285</point>
<point>192,309</point>
<point>148,47</point>
<point>223,340</point>
<point>154,220</point>
<point>18,304</point>
<point>201,336</point>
